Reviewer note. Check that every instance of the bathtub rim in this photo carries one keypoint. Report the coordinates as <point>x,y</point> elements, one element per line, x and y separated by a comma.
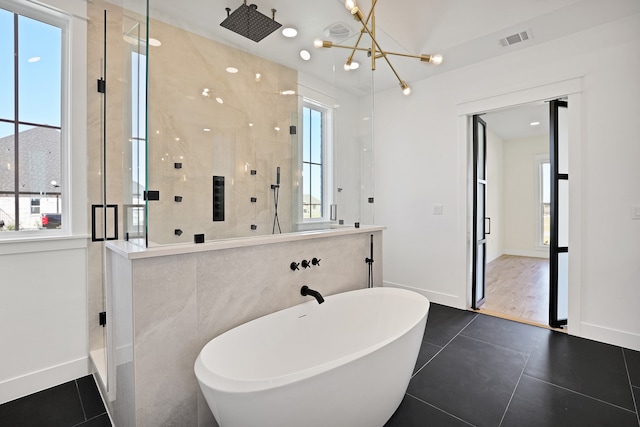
<point>227,384</point>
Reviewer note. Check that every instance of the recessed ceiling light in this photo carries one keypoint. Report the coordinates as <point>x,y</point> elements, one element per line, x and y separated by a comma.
<point>219,100</point>
<point>232,70</point>
<point>288,92</point>
<point>33,59</point>
<point>305,55</point>
<point>154,42</point>
<point>277,128</point>
<point>258,77</point>
<point>206,130</point>
<point>534,123</point>
<point>289,31</point>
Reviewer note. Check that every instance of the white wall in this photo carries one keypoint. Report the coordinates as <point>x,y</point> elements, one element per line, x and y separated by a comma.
<point>430,253</point>
<point>521,196</point>
<point>43,315</point>
<point>43,296</point>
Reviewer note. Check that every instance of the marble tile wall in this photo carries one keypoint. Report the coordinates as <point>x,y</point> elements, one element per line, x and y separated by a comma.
<point>190,91</point>
<point>180,302</point>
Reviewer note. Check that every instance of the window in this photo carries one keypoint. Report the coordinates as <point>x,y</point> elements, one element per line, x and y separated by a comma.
<point>35,206</point>
<point>316,121</point>
<point>135,209</point>
<point>544,205</point>
<point>31,58</point>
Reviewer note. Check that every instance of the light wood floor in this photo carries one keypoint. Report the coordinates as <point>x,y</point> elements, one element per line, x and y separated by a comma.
<point>518,288</point>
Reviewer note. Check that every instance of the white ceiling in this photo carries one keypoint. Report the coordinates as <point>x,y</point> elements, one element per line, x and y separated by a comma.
<point>515,122</point>
<point>463,31</point>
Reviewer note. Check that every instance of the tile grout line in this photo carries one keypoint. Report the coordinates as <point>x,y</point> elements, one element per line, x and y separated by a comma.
<point>443,347</point>
<point>513,393</point>
<point>439,409</point>
<point>497,345</point>
<point>633,399</point>
<point>84,414</point>
<point>97,416</point>
<point>582,394</point>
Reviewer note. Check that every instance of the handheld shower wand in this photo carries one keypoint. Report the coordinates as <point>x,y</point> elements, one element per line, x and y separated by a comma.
<point>276,194</point>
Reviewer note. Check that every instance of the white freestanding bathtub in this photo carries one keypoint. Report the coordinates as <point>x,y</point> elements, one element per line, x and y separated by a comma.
<point>344,363</point>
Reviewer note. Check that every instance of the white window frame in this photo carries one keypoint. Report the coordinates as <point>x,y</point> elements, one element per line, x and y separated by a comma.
<point>327,162</point>
<point>70,17</point>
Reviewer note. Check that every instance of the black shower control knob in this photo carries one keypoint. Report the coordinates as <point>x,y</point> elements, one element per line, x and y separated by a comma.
<point>305,263</point>
<point>315,261</point>
<point>294,266</point>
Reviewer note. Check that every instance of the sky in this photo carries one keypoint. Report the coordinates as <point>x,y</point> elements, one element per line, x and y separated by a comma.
<point>39,71</point>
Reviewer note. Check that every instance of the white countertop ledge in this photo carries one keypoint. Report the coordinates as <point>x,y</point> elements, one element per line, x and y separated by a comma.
<point>131,251</point>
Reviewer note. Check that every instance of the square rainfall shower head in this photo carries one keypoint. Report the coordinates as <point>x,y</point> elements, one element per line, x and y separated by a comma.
<point>248,22</point>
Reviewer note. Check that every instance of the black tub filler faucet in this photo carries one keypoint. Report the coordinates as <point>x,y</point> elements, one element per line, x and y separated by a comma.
<point>304,291</point>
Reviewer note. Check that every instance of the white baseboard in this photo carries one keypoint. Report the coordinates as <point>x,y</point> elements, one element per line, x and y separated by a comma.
<point>610,336</point>
<point>436,297</point>
<point>533,253</point>
<point>33,382</point>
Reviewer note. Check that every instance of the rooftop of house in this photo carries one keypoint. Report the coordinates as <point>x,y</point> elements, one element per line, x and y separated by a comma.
<point>39,165</point>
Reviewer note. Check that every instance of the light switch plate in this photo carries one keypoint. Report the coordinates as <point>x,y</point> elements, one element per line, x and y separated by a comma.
<point>635,211</point>
<point>438,209</point>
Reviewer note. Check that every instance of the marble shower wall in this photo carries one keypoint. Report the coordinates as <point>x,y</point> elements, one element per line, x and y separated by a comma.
<point>180,302</point>
<point>181,68</point>
<point>218,123</point>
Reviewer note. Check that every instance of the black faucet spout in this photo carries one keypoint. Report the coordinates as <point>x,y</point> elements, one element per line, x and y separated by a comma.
<point>304,291</point>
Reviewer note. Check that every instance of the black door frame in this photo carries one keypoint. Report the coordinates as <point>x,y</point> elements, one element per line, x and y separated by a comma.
<point>554,249</point>
<point>479,241</point>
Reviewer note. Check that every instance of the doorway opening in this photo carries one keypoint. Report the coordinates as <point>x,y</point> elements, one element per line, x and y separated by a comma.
<point>515,174</point>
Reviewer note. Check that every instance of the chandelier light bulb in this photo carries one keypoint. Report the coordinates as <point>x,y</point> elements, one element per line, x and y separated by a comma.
<point>351,65</point>
<point>406,90</point>
<point>317,43</point>
<point>436,59</point>
<point>350,4</point>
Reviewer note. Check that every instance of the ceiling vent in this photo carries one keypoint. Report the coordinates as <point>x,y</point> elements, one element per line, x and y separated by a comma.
<point>338,32</point>
<point>515,38</point>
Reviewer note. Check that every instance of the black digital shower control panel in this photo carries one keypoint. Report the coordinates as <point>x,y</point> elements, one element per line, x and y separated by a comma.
<point>218,198</point>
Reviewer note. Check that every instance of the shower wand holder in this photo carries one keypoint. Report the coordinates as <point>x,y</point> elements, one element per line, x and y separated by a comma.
<point>274,186</point>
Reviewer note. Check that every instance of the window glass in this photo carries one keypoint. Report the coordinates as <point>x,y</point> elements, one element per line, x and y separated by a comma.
<point>306,134</point>
<point>313,172</point>
<point>6,67</point>
<point>545,205</point>
<point>39,72</point>
<point>30,185</point>
<point>316,136</point>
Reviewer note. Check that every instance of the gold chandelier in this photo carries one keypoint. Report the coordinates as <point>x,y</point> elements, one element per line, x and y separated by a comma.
<point>375,51</point>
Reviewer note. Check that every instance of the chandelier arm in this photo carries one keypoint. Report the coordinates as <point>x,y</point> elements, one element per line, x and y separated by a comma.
<point>362,31</point>
<point>351,47</point>
<point>407,55</point>
<point>360,17</point>
<point>353,51</point>
<point>391,66</point>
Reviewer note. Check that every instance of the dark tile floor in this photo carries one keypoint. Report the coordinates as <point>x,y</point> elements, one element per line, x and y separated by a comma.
<point>76,403</point>
<point>472,370</point>
<point>477,370</point>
